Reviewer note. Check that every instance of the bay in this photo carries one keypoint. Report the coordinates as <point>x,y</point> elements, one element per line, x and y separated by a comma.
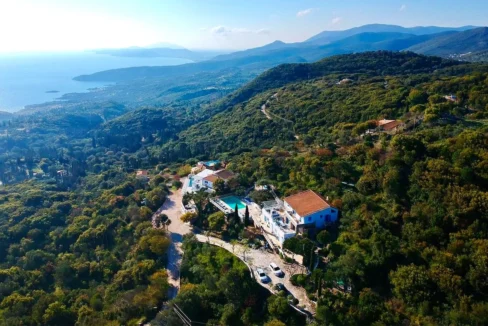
<point>35,78</point>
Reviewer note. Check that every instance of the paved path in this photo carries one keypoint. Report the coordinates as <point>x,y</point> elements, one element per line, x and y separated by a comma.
<point>172,208</point>
<point>258,258</point>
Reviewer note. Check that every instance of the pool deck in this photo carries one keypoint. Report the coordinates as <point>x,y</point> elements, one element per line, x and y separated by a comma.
<point>236,200</point>
<point>225,208</point>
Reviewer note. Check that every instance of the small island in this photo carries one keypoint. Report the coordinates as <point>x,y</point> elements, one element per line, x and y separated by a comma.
<point>52,91</point>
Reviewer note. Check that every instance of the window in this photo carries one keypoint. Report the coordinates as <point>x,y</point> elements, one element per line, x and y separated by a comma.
<point>333,210</point>
<point>327,218</point>
<point>310,218</point>
<point>321,216</point>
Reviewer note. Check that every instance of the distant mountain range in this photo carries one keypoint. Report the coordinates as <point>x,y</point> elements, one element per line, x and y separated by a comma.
<point>332,36</point>
<point>471,41</point>
<point>155,51</point>
<point>5,115</point>
<point>166,45</point>
<point>466,43</point>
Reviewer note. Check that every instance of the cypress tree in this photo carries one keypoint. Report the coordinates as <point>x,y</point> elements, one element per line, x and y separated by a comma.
<point>320,287</point>
<point>236,215</point>
<point>247,221</point>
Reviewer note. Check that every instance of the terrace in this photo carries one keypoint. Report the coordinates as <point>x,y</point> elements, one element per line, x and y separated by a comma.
<point>277,221</point>
<point>217,202</point>
<point>227,205</point>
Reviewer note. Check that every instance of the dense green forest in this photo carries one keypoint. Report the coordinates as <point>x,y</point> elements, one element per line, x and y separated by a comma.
<point>218,289</point>
<point>88,256</point>
<point>78,248</point>
<point>412,235</point>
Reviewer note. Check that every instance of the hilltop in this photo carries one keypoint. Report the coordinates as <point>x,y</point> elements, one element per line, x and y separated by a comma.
<point>471,41</point>
<point>312,100</point>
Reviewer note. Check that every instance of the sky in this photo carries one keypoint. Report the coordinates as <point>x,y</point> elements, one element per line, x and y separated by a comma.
<point>72,25</point>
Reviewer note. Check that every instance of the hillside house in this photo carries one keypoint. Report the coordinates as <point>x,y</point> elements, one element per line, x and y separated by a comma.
<point>390,126</point>
<point>344,81</point>
<point>309,210</point>
<point>206,179</point>
<point>451,98</point>
<point>212,165</point>
<point>142,174</point>
<point>62,173</point>
<point>296,214</point>
<point>209,181</point>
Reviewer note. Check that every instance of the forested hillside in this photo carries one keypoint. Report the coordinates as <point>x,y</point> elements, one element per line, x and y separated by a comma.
<point>82,257</point>
<point>77,247</point>
<point>412,235</point>
<point>470,41</point>
<point>306,101</point>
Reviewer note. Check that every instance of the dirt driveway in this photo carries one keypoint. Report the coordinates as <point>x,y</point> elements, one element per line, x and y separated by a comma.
<point>172,208</point>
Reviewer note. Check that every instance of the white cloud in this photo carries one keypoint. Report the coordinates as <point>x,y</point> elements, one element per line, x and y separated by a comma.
<point>303,13</point>
<point>403,7</point>
<point>263,31</point>
<point>225,31</point>
<point>336,20</point>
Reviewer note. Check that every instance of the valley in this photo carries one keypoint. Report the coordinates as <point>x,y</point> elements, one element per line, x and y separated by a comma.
<point>356,161</point>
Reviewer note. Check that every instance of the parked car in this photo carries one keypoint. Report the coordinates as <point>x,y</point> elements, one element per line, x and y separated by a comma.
<point>276,270</point>
<point>281,287</point>
<point>262,275</point>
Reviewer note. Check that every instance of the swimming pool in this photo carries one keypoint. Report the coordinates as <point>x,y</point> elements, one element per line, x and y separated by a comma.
<point>231,201</point>
<point>212,163</point>
<point>190,183</point>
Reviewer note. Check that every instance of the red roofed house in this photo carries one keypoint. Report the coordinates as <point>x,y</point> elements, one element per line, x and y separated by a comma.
<point>390,126</point>
<point>307,210</point>
<point>209,181</point>
<point>207,178</point>
<point>142,174</point>
<point>225,175</point>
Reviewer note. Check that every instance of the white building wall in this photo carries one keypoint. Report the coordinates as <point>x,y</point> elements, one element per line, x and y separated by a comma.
<point>294,215</point>
<point>208,184</point>
<point>282,236</point>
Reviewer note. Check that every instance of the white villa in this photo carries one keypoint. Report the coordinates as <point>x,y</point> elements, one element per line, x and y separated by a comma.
<point>205,179</point>
<point>299,212</point>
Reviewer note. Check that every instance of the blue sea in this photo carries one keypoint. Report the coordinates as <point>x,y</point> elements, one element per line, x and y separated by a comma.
<point>31,78</point>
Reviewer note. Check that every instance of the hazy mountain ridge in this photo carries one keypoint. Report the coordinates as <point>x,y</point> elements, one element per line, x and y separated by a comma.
<point>5,115</point>
<point>331,36</point>
<point>474,40</point>
<point>384,37</point>
<point>154,52</point>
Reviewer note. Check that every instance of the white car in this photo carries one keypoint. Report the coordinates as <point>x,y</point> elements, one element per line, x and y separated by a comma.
<point>262,275</point>
<point>276,270</point>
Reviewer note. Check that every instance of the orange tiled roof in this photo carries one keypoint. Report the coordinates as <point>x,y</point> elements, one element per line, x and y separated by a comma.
<point>391,125</point>
<point>225,174</point>
<point>212,178</point>
<point>383,122</point>
<point>307,202</point>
